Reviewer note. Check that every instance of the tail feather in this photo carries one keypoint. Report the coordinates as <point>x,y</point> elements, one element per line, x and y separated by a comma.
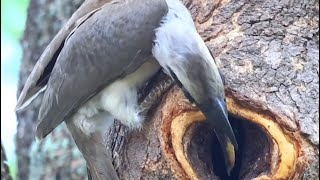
<point>25,99</point>
<point>99,161</point>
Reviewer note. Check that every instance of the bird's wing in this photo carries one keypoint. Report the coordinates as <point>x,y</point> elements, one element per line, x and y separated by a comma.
<point>38,78</point>
<point>111,43</point>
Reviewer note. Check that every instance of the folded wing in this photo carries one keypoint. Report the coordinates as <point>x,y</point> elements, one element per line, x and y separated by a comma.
<point>110,43</point>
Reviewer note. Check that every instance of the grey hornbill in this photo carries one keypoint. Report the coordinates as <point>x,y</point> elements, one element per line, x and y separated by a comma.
<point>93,68</point>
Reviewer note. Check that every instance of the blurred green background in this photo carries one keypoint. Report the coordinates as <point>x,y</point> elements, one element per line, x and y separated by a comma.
<point>13,18</point>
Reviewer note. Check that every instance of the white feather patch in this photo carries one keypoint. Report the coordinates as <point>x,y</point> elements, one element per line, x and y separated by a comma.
<point>119,101</point>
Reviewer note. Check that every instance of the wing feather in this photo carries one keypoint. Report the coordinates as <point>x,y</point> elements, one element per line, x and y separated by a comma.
<point>40,74</point>
<point>111,43</point>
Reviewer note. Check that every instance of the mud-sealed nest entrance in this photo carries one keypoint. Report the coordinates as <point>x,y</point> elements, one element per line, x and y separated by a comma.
<point>204,153</point>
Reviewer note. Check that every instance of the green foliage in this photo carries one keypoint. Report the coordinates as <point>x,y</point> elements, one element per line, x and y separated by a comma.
<point>13,170</point>
<point>13,16</point>
<point>13,19</point>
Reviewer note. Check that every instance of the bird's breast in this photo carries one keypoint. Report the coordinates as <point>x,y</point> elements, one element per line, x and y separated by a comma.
<point>119,99</point>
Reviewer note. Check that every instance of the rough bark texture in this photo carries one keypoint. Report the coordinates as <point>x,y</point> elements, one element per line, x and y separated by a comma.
<point>57,156</point>
<point>268,52</point>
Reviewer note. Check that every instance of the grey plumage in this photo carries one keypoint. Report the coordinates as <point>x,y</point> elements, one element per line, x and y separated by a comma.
<point>95,45</point>
<point>98,45</point>
<point>41,72</point>
<point>98,158</point>
<point>111,43</point>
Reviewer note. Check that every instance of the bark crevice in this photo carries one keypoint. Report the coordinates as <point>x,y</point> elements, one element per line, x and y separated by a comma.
<point>268,52</point>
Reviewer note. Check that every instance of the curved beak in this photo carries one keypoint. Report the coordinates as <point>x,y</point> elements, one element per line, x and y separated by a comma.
<point>217,116</point>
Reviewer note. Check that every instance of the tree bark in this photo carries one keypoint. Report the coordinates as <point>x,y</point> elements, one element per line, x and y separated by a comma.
<point>268,52</point>
<point>57,156</point>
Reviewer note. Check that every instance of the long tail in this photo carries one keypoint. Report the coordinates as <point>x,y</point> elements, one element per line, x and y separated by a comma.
<point>99,161</point>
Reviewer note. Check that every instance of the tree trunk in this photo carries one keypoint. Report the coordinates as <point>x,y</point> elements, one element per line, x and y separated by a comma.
<point>57,156</point>
<point>268,52</point>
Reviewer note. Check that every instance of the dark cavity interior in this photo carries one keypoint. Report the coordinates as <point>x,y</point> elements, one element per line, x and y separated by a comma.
<point>44,78</point>
<point>204,151</point>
